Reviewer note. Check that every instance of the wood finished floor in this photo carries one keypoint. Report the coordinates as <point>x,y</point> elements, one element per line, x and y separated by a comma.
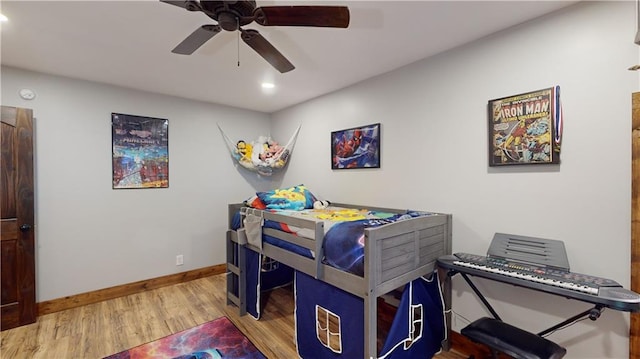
<point>105,328</point>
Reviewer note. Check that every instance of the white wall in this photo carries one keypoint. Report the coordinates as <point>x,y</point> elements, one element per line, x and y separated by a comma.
<point>90,236</point>
<point>434,156</point>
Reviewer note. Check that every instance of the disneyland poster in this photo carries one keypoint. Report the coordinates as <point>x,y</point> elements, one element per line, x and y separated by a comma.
<point>140,148</point>
<point>357,147</point>
<point>526,128</point>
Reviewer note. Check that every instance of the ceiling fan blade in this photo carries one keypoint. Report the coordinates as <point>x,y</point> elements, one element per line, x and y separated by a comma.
<point>196,39</point>
<point>190,5</point>
<point>182,4</point>
<point>318,16</point>
<point>266,50</point>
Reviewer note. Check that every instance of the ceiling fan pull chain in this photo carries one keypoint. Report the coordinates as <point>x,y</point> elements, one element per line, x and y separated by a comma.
<point>238,41</point>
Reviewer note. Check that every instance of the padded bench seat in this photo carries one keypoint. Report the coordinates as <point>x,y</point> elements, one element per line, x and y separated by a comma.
<point>513,341</point>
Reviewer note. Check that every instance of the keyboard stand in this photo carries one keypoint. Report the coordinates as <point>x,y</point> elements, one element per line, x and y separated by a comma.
<point>528,262</point>
<point>593,313</point>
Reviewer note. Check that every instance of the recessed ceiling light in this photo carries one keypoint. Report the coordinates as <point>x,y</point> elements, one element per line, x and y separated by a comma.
<point>268,85</point>
<point>3,18</point>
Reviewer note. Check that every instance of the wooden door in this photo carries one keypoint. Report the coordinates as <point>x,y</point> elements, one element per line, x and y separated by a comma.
<point>634,334</point>
<point>18,299</point>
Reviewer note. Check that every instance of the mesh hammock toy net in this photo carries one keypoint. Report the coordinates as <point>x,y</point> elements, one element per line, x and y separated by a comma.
<point>263,155</point>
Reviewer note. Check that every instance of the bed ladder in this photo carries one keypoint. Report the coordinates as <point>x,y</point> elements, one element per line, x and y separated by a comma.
<point>236,276</point>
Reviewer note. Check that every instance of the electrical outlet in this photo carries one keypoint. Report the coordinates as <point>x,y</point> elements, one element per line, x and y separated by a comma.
<point>179,260</point>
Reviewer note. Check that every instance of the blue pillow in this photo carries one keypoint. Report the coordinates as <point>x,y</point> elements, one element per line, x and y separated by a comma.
<point>294,198</point>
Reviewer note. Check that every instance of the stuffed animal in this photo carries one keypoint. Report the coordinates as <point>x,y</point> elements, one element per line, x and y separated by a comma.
<point>271,152</point>
<point>244,150</point>
<point>321,204</point>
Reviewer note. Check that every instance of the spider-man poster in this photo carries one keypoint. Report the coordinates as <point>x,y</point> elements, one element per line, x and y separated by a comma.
<point>357,147</point>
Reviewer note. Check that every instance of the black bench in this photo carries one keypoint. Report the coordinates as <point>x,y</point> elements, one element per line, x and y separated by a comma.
<point>515,342</point>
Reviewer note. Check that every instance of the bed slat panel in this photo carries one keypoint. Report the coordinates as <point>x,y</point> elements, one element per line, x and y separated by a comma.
<point>404,253</point>
<point>389,285</point>
<point>399,259</point>
<point>431,252</point>
<point>291,238</point>
<point>395,241</point>
<point>432,231</point>
<point>303,264</point>
<point>409,225</point>
<point>392,271</point>
<point>292,221</point>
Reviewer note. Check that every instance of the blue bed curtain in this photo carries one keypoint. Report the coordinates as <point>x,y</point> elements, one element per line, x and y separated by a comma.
<point>262,274</point>
<point>330,322</point>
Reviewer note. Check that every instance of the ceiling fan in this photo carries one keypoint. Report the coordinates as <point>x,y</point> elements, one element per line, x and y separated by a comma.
<point>232,15</point>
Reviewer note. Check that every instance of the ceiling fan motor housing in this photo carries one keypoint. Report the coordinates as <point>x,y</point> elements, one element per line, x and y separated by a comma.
<point>230,15</point>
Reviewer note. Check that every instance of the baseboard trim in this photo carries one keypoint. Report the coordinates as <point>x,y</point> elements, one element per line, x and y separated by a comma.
<point>78,300</point>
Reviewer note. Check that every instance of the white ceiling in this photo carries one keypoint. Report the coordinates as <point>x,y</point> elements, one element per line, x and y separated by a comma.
<point>128,43</point>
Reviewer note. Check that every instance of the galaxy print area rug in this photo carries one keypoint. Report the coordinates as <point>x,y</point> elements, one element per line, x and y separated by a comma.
<point>217,339</point>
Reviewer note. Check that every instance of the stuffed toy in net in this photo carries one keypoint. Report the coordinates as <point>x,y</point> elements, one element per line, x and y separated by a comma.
<point>264,155</point>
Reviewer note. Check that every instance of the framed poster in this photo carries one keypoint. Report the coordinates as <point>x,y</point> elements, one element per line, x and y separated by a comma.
<point>526,128</point>
<point>140,151</point>
<point>357,147</point>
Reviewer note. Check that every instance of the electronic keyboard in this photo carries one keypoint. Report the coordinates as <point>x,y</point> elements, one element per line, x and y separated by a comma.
<point>552,280</point>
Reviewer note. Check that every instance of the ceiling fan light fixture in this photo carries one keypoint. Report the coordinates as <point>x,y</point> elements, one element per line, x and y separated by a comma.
<point>268,85</point>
